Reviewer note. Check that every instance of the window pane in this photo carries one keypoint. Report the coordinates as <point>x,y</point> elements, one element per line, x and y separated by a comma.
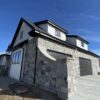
<point>21,35</point>
<point>16,57</point>
<point>19,56</point>
<point>12,58</point>
<point>82,43</point>
<point>57,33</point>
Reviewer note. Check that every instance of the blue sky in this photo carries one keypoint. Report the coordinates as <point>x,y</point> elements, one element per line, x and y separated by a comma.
<point>81,17</point>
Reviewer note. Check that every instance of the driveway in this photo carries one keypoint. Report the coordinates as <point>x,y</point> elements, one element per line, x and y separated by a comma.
<point>88,88</point>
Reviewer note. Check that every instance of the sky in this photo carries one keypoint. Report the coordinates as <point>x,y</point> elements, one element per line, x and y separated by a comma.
<point>80,17</point>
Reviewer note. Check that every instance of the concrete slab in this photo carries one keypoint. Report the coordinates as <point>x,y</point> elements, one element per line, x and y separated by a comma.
<point>5,81</point>
<point>36,92</point>
<point>88,88</point>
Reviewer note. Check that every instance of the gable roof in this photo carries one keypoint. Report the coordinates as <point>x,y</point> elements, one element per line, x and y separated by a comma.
<point>63,43</point>
<point>17,30</point>
<point>52,24</point>
<point>78,37</point>
<point>38,31</point>
<point>34,26</point>
<point>30,24</point>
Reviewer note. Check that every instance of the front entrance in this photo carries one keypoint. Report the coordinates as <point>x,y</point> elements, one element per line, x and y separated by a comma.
<point>16,62</point>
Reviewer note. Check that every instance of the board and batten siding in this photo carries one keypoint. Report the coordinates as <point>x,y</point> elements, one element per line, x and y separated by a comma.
<point>25,28</point>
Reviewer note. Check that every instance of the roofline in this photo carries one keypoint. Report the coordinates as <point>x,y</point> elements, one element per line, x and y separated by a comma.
<point>17,30</point>
<point>78,38</point>
<point>53,24</point>
<point>63,42</point>
<point>4,55</point>
<point>38,32</point>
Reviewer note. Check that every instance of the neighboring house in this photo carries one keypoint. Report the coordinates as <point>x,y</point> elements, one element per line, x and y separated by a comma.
<point>4,62</point>
<point>42,54</point>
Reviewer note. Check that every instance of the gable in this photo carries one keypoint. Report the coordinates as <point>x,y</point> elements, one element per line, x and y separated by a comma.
<point>22,34</point>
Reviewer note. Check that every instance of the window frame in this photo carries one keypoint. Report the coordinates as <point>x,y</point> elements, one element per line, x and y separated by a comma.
<point>82,43</point>
<point>21,34</point>
<point>57,33</point>
<point>16,56</point>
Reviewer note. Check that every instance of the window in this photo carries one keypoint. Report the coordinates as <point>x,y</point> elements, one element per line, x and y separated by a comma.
<point>19,57</point>
<point>82,43</point>
<point>21,35</point>
<point>16,57</point>
<point>57,33</point>
<point>13,58</point>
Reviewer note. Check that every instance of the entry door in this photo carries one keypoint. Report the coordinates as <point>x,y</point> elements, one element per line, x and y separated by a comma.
<point>16,63</point>
<point>85,67</point>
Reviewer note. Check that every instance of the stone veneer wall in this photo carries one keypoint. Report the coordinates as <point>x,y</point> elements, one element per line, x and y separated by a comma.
<point>53,75</point>
<point>50,79</point>
<point>29,61</point>
<point>45,77</point>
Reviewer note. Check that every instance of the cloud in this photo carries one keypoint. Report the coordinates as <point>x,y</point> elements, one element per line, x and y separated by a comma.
<point>84,16</point>
<point>93,17</point>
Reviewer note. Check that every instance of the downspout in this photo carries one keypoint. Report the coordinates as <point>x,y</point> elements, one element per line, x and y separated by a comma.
<point>34,80</point>
<point>33,33</point>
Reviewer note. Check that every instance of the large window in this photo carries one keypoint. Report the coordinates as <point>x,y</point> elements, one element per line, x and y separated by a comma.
<point>16,57</point>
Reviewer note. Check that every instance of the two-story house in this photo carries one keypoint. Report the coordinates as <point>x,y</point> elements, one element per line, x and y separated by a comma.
<point>45,55</point>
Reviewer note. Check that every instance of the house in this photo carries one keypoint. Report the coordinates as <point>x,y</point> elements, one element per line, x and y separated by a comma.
<point>45,55</point>
<point>4,62</point>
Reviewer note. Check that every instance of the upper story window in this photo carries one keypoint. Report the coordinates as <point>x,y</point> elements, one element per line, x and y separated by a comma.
<point>57,33</point>
<point>21,35</point>
<point>82,43</point>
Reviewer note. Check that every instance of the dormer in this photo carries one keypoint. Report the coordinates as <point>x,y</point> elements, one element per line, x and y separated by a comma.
<point>52,29</point>
<point>78,41</point>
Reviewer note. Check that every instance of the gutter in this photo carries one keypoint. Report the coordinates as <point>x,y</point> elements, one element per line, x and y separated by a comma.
<point>36,32</point>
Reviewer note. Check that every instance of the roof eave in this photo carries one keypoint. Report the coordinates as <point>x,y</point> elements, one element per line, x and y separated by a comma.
<point>53,24</point>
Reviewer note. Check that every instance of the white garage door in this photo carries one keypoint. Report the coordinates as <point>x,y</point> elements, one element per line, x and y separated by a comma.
<point>16,64</point>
